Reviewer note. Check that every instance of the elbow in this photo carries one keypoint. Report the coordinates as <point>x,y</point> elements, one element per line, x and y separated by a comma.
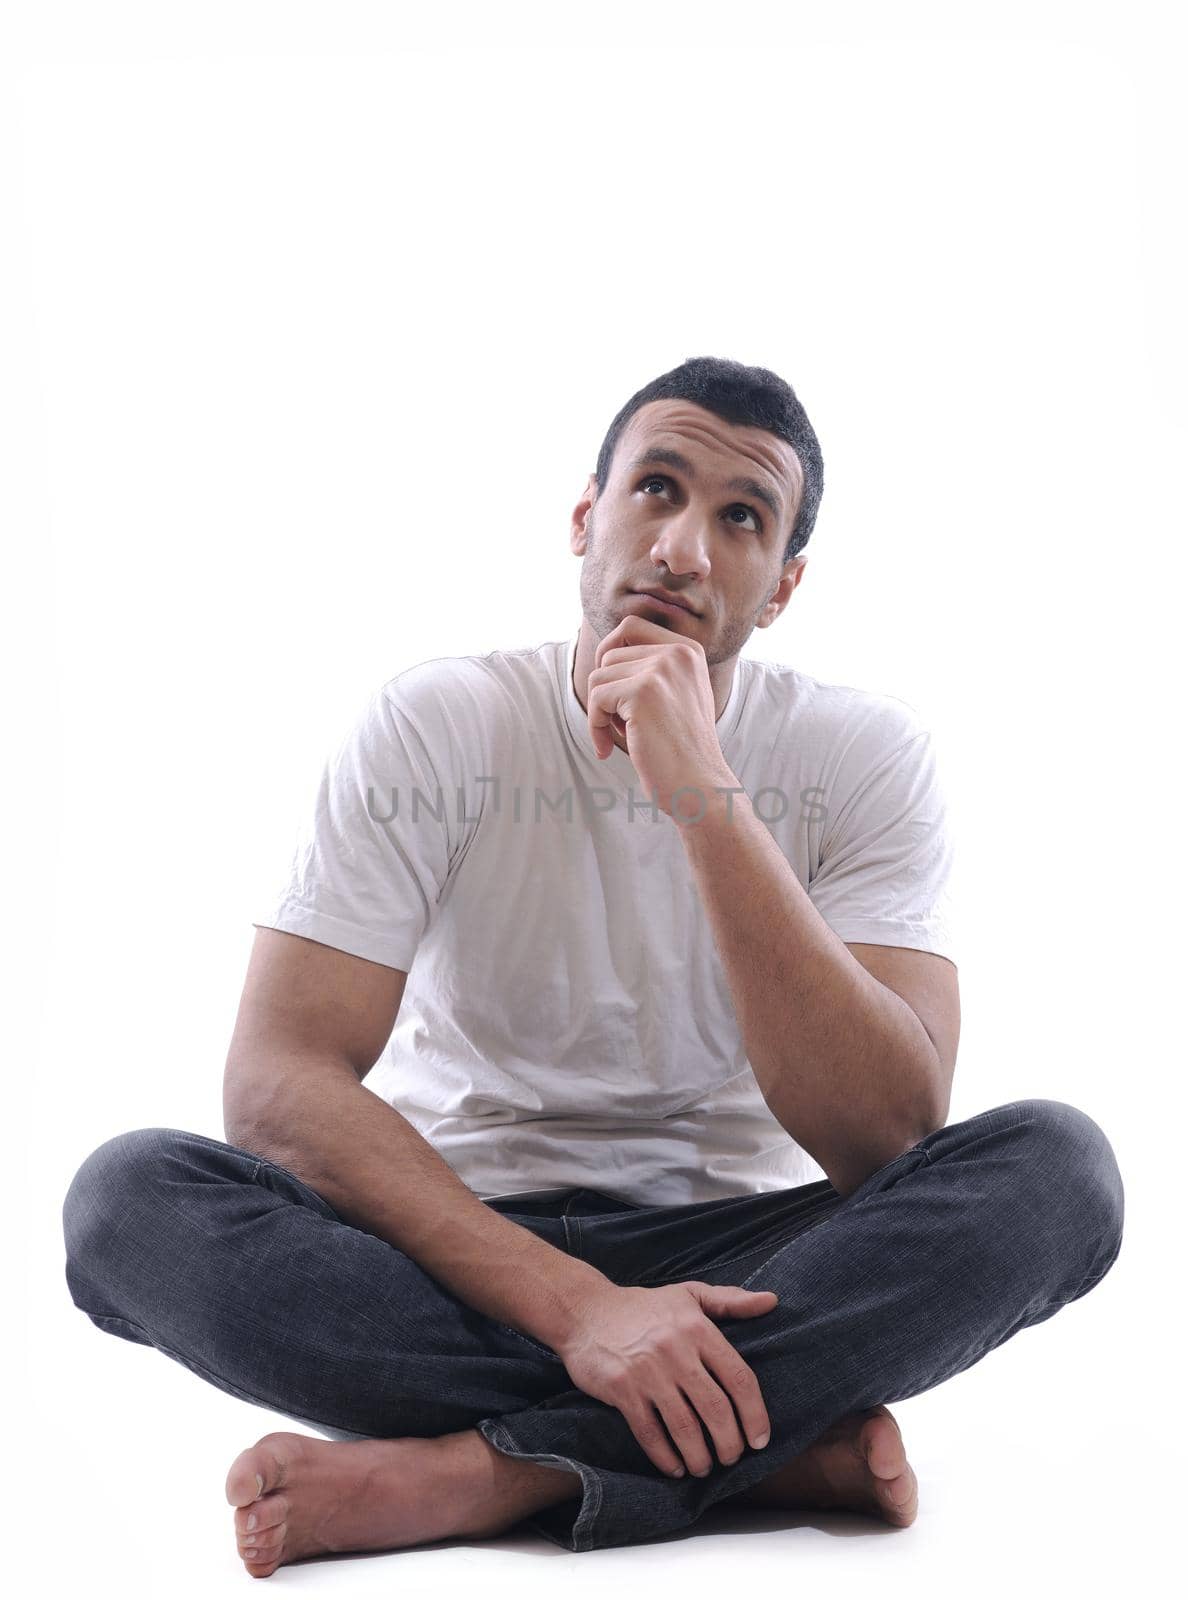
<point>239,1132</point>
<point>936,1112</point>
<point>928,1108</point>
<point>849,1169</point>
<point>243,1108</point>
<point>850,1172</point>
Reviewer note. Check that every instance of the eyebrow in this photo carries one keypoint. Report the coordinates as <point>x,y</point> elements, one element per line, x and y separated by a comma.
<point>673,458</point>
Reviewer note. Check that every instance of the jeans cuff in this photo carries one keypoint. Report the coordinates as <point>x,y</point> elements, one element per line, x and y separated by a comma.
<point>561,1524</point>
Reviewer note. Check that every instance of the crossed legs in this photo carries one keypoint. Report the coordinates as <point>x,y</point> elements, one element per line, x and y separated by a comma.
<point>984,1228</point>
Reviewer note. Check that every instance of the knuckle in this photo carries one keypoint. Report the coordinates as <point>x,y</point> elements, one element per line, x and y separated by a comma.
<point>740,1377</point>
<point>711,1399</point>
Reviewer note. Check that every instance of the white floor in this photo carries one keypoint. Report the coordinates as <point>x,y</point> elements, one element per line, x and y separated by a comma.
<point>1051,1467</point>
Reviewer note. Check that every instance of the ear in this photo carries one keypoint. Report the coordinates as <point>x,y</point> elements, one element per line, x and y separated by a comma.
<point>782,593</point>
<point>577,531</point>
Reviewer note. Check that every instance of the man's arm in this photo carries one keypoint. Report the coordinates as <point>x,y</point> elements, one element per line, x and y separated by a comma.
<point>312,1022</point>
<point>844,1062</point>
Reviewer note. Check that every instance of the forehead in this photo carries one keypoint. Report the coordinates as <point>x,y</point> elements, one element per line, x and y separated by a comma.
<point>767,467</point>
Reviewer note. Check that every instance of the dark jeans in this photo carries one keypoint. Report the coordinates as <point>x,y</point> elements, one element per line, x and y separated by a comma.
<point>232,1266</point>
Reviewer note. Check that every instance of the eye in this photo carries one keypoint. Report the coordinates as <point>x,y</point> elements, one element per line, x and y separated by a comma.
<point>751,512</point>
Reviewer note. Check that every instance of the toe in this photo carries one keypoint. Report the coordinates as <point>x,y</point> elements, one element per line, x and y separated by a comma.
<point>245,1481</point>
<point>266,1544</point>
<point>263,1566</point>
<point>268,1512</point>
<point>262,1467</point>
<point>882,1444</point>
<point>899,1496</point>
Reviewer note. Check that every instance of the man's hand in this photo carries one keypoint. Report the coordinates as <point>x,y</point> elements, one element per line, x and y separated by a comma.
<point>657,1358</point>
<point>650,694</point>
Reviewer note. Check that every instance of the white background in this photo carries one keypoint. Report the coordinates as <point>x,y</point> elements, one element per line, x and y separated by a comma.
<point>314,318</point>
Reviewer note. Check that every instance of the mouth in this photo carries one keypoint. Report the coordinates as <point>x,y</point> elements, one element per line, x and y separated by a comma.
<point>673,606</point>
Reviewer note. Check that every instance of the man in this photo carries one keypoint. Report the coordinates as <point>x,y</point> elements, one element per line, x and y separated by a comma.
<point>644,950</point>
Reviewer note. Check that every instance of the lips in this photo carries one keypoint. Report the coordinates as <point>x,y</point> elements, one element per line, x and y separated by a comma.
<point>666,599</point>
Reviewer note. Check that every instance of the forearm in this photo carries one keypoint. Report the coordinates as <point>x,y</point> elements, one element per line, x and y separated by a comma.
<point>844,1063</point>
<point>382,1176</point>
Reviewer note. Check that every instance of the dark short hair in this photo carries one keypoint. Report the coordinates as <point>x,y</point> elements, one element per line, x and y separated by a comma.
<point>744,396</point>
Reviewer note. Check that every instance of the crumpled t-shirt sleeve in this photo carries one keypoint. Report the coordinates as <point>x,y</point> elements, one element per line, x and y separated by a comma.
<point>887,855</point>
<point>366,872</point>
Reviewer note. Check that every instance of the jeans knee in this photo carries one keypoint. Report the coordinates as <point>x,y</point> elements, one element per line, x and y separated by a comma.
<point>1080,1168</point>
<point>116,1175</point>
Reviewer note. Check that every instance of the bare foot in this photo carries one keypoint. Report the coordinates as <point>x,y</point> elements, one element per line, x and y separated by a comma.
<point>310,1497</point>
<point>858,1464</point>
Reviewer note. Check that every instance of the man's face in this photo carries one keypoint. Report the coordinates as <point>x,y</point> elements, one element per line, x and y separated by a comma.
<point>718,548</point>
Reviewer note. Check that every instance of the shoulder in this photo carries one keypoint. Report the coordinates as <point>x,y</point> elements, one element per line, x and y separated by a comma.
<point>836,720</point>
<point>468,698</point>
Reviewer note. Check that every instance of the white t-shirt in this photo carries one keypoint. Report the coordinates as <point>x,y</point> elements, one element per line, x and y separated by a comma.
<point>566,1020</point>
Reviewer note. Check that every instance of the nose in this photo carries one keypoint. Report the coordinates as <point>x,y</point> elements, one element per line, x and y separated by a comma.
<point>682,547</point>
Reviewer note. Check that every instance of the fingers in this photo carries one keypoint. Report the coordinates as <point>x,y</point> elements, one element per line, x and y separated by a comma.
<point>685,1429</point>
<point>715,1410</point>
<point>654,1441</point>
<point>740,1384</point>
<point>675,1438</point>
